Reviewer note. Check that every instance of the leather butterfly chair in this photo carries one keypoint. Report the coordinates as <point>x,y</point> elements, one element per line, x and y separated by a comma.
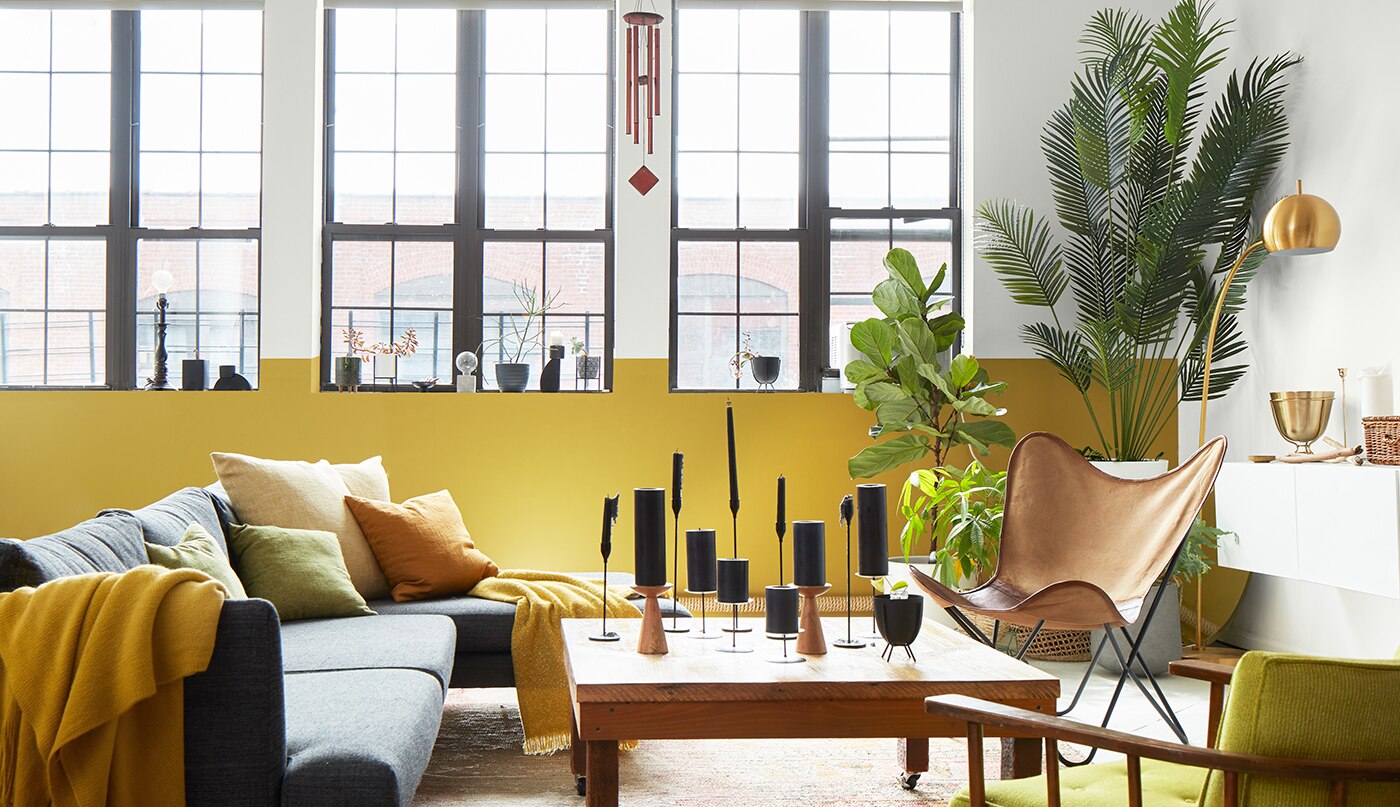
<point>1081,549</point>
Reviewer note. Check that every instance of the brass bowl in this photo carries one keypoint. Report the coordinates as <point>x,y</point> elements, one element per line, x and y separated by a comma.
<point>1301,417</point>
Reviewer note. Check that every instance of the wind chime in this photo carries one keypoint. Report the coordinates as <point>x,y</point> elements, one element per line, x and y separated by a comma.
<point>643,86</point>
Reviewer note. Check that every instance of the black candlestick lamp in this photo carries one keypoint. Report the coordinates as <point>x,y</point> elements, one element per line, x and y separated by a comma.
<point>609,519</point>
<point>161,281</point>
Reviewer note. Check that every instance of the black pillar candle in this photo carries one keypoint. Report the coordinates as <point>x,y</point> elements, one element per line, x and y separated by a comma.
<point>194,374</point>
<point>781,605</point>
<point>809,553</point>
<point>871,516</point>
<point>733,581</point>
<point>700,577</point>
<point>649,517</point>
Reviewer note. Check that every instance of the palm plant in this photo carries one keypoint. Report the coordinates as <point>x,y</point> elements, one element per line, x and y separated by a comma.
<point>1154,212</point>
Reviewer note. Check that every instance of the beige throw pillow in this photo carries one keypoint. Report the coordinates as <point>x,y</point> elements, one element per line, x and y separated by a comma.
<point>308,496</point>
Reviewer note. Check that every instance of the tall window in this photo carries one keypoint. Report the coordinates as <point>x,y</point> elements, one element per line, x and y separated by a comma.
<point>808,144</point>
<point>470,158</point>
<point>113,167</point>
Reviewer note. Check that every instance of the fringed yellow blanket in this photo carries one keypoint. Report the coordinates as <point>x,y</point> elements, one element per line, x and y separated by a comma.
<point>92,675</point>
<point>537,646</point>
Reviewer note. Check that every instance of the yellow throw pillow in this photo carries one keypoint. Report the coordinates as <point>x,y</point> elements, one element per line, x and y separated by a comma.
<point>422,545</point>
<point>304,496</point>
<point>198,550</point>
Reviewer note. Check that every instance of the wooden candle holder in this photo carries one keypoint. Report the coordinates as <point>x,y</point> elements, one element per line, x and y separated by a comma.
<point>652,639</point>
<point>811,641</point>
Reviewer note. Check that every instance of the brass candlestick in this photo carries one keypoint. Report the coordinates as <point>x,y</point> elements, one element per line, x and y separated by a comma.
<point>811,641</point>
<point>652,639</point>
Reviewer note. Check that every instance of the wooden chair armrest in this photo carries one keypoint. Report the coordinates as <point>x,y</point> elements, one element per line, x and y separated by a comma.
<point>985,713</point>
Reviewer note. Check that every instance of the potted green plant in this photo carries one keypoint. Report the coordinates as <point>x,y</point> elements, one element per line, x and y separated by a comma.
<point>586,367</point>
<point>525,331</point>
<point>1155,203</point>
<point>349,369</point>
<point>961,510</point>
<point>765,368</point>
<point>925,404</point>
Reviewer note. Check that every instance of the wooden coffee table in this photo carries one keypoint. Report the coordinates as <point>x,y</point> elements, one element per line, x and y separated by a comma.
<point>696,692</point>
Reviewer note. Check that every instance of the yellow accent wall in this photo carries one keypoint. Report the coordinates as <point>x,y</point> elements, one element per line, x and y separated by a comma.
<point>528,471</point>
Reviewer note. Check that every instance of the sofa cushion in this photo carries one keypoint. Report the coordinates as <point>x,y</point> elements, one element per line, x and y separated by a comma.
<point>108,543</point>
<point>424,643</point>
<point>1101,785</point>
<point>164,522</point>
<point>358,737</point>
<point>199,550</point>
<point>483,626</point>
<point>300,572</point>
<point>422,545</point>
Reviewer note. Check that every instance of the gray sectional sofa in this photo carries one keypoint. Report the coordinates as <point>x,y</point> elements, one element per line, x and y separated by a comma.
<point>317,712</point>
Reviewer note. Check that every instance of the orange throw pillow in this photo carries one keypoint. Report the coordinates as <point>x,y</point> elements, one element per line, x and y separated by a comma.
<point>422,546</point>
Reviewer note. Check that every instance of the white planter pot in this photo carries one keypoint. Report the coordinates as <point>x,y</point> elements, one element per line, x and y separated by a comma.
<point>1138,469</point>
<point>386,366</point>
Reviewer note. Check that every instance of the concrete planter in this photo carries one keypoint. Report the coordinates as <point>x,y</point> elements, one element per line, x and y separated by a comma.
<point>1162,644</point>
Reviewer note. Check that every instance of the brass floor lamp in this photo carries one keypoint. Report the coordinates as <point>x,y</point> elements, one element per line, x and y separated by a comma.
<point>1301,224</point>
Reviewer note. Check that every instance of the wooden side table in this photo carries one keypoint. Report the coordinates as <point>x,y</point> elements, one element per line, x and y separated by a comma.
<point>1217,671</point>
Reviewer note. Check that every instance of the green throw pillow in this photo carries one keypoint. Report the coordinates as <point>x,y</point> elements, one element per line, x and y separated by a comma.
<point>198,550</point>
<point>301,572</point>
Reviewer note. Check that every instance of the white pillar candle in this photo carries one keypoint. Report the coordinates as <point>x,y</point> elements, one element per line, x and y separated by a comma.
<point>1376,395</point>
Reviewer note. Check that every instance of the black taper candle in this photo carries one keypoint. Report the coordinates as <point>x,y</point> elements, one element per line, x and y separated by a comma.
<point>733,581</point>
<point>649,529</point>
<point>809,553</point>
<point>700,577</point>
<point>677,464</point>
<point>781,524</point>
<point>780,603</point>
<point>733,475</point>
<point>609,516</point>
<point>871,516</point>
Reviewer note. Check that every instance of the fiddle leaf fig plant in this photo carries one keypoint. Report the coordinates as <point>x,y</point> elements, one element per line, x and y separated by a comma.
<point>927,402</point>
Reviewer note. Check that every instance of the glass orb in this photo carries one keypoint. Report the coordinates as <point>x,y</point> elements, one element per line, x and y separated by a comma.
<point>162,280</point>
<point>466,362</point>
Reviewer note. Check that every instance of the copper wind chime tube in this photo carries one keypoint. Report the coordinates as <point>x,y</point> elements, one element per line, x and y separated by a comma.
<point>643,73</point>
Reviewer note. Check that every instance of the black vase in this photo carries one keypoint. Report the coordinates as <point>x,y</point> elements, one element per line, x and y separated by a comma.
<point>229,380</point>
<point>899,620</point>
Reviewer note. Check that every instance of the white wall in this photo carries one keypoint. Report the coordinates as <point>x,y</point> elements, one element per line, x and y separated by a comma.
<point>1310,315</point>
<point>1022,57</point>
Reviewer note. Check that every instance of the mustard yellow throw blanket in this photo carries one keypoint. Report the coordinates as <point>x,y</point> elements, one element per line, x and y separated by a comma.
<point>92,689</point>
<point>537,646</point>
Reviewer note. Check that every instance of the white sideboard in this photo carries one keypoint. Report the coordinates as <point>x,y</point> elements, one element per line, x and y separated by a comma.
<point>1338,525</point>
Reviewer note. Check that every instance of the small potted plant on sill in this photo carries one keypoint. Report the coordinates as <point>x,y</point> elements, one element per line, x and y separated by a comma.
<point>349,369</point>
<point>898,614</point>
<point>526,330</point>
<point>386,355</point>
<point>586,367</point>
<point>765,368</point>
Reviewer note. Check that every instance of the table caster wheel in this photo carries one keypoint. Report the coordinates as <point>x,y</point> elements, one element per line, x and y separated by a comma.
<point>581,785</point>
<point>909,781</point>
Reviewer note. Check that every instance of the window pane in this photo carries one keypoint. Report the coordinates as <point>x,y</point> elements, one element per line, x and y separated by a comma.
<point>514,113</point>
<point>577,114</point>
<point>574,270</point>
<point>515,43</point>
<point>514,185</point>
<point>81,118</point>
<point>52,312</point>
<point>768,105</point>
<point>394,126</point>
<point>27,98</point>
<point>576,186</point>
<point>709,40</point>
<point>920,42</point>
<point>24,40</point>
<point>213,309</point>
<point>80,187</point>
<point>385,288</point>
<point>703,347</point>
<point>577,41</point>
<point>768,278</point>
<point>709,116</point>
<point>82,41</point>
<point>707,190</point>
<point>362,271</point>
<point>768,186</point>
<point>769,41</point>
<point>423,274</point>
<point>24,183</point>
<point>200,131</point>
<point>860,41</point>
<point>771,336</point>
<point>707,277</point>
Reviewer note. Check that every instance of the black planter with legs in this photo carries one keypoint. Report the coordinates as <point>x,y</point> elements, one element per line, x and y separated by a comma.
<point>898,621</point>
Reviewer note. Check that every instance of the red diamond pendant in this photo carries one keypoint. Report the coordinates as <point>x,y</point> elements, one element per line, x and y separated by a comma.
<point>644,180</point>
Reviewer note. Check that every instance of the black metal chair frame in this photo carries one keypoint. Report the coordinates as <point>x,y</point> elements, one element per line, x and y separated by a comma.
<point>1159,703</point>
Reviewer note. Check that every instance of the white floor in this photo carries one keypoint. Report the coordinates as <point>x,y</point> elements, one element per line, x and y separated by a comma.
<point>1189,699</point>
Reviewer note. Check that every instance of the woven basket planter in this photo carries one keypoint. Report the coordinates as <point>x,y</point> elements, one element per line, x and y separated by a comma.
<point>1382,439</point>
<point>1049,645</point>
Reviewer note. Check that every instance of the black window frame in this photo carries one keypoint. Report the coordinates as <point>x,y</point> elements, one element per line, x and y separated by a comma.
<point>813,229</point>
<point>122,233</point>
<point>467,232</point>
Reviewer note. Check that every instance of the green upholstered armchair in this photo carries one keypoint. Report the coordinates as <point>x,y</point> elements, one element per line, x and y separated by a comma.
<point>1297,731</point>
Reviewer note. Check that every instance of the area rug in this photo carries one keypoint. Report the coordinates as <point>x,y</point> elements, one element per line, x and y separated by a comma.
<point>478,761</point>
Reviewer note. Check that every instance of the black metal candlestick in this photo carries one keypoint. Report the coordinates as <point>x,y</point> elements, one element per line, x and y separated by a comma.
<point>677,468</point>
<point>847,511</point>
<point>701,573</point>
<point>159,380</point>
<point>734,510</point>
<point>609,518</point>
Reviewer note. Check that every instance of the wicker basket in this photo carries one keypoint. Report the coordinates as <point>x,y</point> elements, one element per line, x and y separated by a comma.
<point>1049,645</point>
<point>1382,439</point>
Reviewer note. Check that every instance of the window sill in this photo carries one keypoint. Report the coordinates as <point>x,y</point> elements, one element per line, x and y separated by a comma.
<point>407,390</point>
